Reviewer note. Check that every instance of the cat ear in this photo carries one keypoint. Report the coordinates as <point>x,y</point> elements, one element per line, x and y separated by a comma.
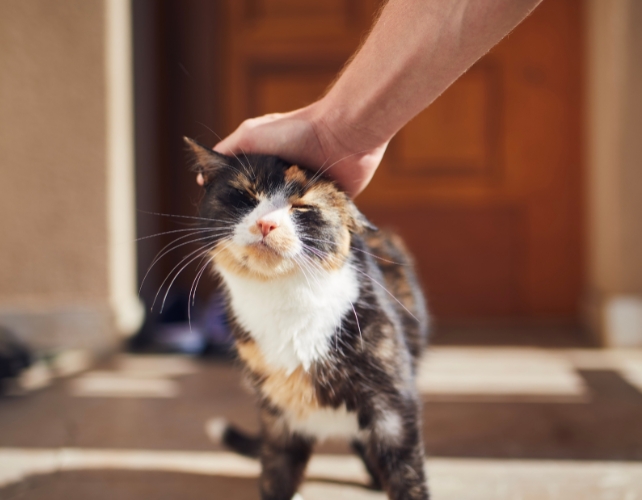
<point>359,222</point>
<point>207,161</point>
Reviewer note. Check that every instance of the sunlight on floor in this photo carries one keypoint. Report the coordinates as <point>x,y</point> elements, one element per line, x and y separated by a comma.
<point>519,374</point>
<point>135,377</point>
<point>450,373</point>
<point>450,479</point>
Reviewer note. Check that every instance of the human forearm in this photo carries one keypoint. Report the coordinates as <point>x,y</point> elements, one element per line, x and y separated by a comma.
<point>415,51</point>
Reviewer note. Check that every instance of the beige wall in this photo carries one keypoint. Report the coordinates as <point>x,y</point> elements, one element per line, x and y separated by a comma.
<point>614,160</point>
<point>55,199</point>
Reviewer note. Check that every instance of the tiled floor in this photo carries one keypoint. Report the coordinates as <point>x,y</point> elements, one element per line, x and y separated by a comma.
<point>499,423</point>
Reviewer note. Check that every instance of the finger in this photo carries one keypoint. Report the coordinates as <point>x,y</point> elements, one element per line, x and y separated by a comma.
<point>227,145</point>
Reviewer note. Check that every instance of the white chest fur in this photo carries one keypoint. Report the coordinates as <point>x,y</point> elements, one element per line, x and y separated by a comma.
<point>292,318</point>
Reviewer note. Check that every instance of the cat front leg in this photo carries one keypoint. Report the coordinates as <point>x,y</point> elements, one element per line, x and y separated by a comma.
<point>361,448</point>
<point>395,450</point>
<point>284,457</point>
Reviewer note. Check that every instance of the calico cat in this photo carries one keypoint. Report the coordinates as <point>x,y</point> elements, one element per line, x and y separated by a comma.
<point>327,316</point>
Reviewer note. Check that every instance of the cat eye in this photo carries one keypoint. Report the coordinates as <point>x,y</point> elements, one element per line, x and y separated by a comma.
<point>245,193</point>
<point>242,197</point>
<point>301,206</point>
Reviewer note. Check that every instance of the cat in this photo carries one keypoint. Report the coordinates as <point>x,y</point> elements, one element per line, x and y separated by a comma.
<point>327,316</point>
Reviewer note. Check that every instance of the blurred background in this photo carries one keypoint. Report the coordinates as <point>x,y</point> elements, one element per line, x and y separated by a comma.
<point>519,191</point>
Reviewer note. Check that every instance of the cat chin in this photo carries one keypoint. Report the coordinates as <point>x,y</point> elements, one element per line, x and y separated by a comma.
<point>259,264</point>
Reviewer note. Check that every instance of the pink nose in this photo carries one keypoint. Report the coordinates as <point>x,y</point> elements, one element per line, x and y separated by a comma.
<point>266,226</point>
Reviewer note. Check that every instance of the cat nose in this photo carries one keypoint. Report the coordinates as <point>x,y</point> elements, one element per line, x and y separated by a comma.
<point>266,226</point>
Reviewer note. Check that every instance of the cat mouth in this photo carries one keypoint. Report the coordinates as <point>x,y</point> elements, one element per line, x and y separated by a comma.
<point>273,249</point>
<point>263,246</point>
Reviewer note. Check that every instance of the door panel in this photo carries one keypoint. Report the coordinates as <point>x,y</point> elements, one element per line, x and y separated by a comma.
<point>459,134</point>
<point>275,91</point>
<point>485,185</point>
<point>472,255</point>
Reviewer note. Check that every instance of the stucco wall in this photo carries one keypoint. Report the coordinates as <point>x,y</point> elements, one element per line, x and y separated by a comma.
<point>614,161</point>
<point>54,191</point>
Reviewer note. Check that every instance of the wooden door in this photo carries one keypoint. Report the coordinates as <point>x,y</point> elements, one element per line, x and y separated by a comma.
<point>485,185</point>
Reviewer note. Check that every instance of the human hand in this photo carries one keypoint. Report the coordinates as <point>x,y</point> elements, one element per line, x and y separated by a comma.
<point>308,137</point>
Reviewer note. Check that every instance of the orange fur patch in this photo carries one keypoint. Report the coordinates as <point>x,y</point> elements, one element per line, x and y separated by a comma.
<point>294,392</point>
<point>295,174</point>
<point>242,182</point>
<point>321,194</point>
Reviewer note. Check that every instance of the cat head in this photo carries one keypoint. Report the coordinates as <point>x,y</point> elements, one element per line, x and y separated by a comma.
<point>268,218</point>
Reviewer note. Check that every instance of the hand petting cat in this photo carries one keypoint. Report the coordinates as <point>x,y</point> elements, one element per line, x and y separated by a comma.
<point>308,137</point>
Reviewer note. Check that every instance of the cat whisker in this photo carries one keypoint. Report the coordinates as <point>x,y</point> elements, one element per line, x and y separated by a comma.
<point>386,290</point>
<point>191,300</point>
<point>199,251</point>
<point>300,265</point>
<point>212,234</point>
<point>248,171</point>
<point>196,281</point>
<point>314,174</point>
<point>169,287</point>
<point>315,251</point>
<point>309,238</point>
<point>311,261</point>
<point>194,230</point>
<point>169,232</point>
<point>191,297</point>
<point>358,325</point>
<point>184,216</point>
<point>320,253</point>
<point>164,252</point>
<point>226,243</point>
<point>311,268</point>
<point>322,171</point>
<point>201,266</point>
<point>199,272</point>
<point>378,257</point>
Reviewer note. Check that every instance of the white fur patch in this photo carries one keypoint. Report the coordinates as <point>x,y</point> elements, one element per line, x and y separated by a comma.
<point>292,318</point>
<point>326,423</point>
<point>389,426</point>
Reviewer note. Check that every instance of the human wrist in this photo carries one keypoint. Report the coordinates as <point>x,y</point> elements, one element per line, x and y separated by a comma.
<point>338,127</point>
<point>340,146</point>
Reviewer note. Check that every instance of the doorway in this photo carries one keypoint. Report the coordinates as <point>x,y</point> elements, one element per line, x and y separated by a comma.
<point>485,185</point>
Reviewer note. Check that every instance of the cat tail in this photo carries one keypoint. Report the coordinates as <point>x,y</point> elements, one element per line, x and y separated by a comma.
<point>222,432</point>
